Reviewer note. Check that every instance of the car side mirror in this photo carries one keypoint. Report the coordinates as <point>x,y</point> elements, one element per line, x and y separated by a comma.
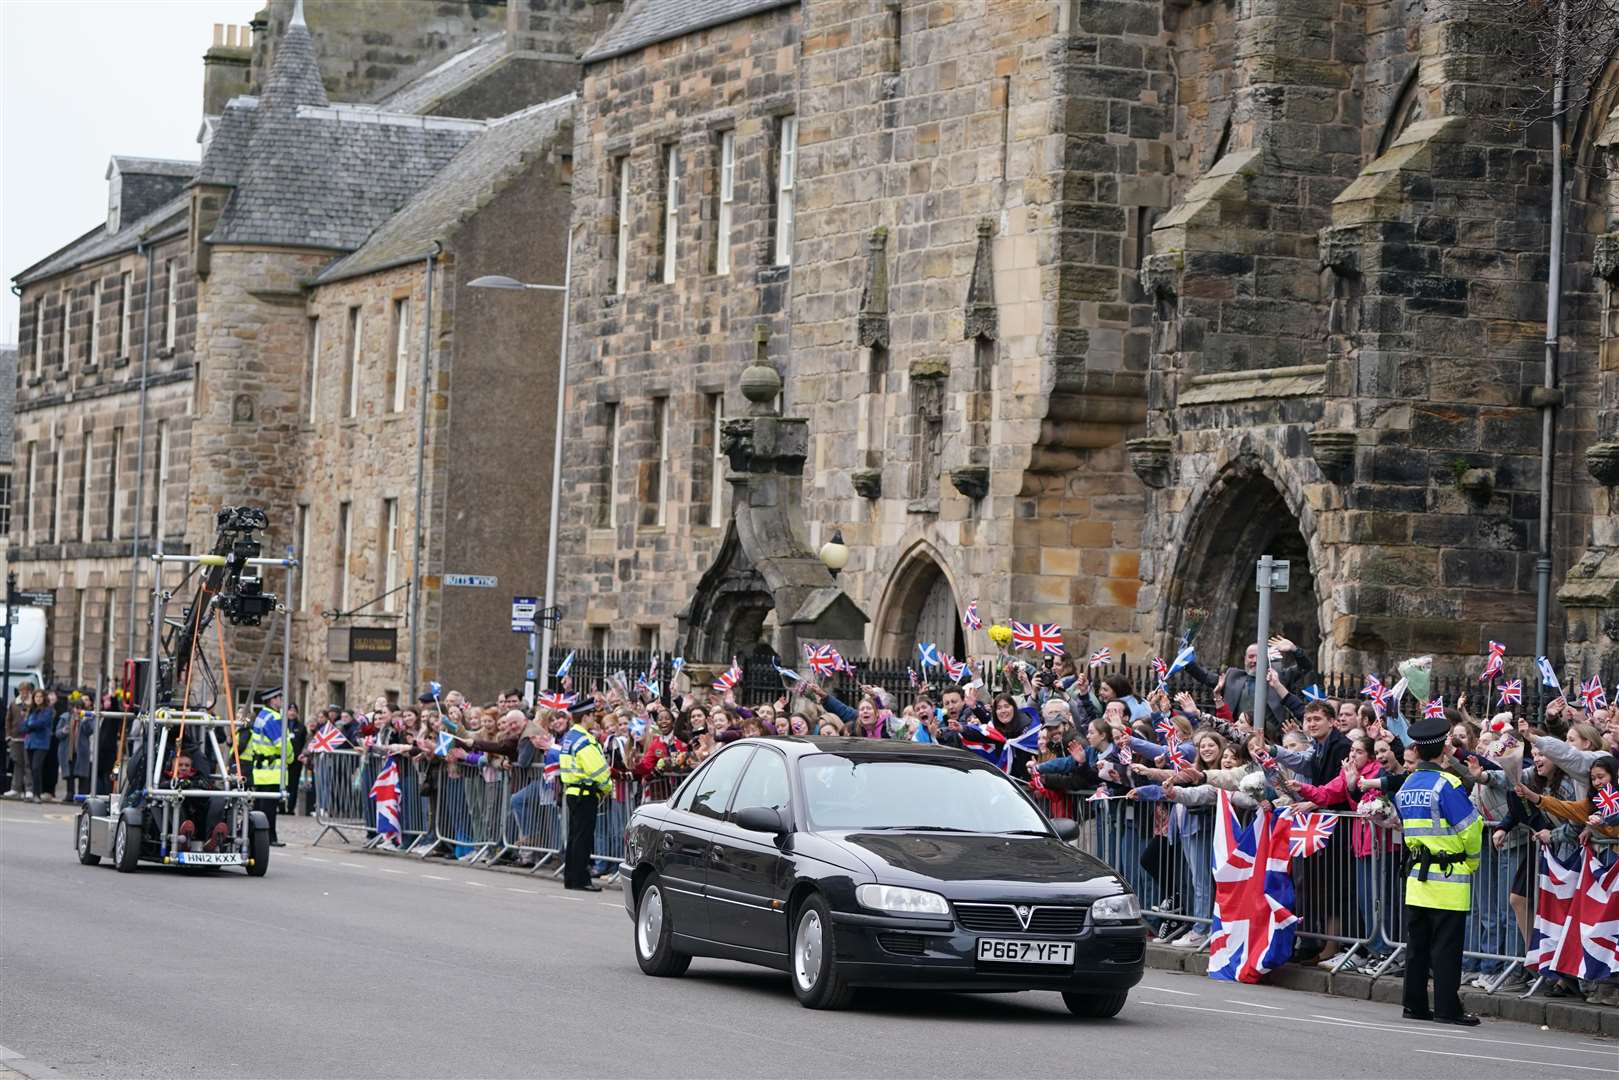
<point>765,819</point>
<point>1066,828</point>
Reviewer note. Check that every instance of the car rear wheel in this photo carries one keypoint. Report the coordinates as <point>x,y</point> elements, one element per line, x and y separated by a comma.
<point>82,841</point>
<point>1094,1006</point>
<point>653,934</point>
<point>814,962</point>
<point>126,846</point>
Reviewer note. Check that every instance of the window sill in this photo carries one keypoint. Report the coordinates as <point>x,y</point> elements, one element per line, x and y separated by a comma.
<point>36,380</point>
<point>89,369</point>
<point>922,506</point>
<point>773,275</point>
<point>166,354</point>
<point>613,300</point>
<point>121,362</point>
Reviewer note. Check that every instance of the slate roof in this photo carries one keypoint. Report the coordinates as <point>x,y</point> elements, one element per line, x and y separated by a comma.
<point>647,22</point>
<point>167,220</point>
<point>307,174</point>
<point>146,166</point>
<point>422,93</point>
<point>477,173</point>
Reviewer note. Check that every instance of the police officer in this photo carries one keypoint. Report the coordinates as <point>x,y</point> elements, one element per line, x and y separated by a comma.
<point>585,779</point>
<point>266,756</point>
<point>1443,833</point>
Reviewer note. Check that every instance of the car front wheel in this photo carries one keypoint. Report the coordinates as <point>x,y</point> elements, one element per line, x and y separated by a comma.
<point>1094,1006</point>
<point>653,934</point>
<point>814,959</point>
<point>126,846</point>
<point>86,856</point>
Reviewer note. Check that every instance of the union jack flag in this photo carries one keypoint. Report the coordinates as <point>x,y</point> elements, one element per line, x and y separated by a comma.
<point>1101,656</point>
<point>822,659</point>
<point>970,619</point>
<point>1607,800</point>
<point>915,680</point>
<point>1576,929</point>
<point>1592,694</point>
<point>1512,692</point>
<point>729,678</point>
<point>1253,896</point>
<point>1263,759</point>
<point>1038,637</point>
<point>1494,663</point>
<point>386,793</point>
<point>327,739</point>
<point>1373,688</point>
<point>556,702</point>
<point>1127,756</point>
<point>1434,710</point>
<point>1099,795</point>
<point>955,669</point>
<point>1176,758</point>
<point>1160,669</point>
<point>1310,833</point>
<point>1165,728</point>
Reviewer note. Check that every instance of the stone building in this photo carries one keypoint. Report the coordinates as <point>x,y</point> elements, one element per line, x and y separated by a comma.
<point>304,278</point>
<point>1092,304</point>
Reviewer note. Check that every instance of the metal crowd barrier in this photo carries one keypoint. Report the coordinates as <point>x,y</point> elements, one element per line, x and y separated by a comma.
<point>342,797</point>
<point>532,824</point>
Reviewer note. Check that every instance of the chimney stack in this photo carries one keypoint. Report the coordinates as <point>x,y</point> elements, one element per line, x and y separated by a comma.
<point>226,67</point>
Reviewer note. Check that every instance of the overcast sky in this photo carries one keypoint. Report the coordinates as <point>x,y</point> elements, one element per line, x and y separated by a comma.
<point>80,81</point>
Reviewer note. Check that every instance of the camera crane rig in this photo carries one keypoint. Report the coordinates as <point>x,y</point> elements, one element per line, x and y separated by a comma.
<point>153,797</point>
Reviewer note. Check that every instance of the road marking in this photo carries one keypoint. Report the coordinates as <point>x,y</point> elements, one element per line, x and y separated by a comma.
<point>311,858</point>
<point>513,888</point>
<point>569,899</point>
<point>475,885</point>
<point>608,903</point>
<point>1252,1004</point>
<point>1167,990</point>
<point>1392,1029</point>
<point>22,821</point>
<point>6,1055</point>
<point>388,870</point>
<point>434,877</point>
<point>354,865</point>
<point>1518,1061</point>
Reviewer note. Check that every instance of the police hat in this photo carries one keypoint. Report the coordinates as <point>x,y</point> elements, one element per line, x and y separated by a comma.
<point>1429,731</point>
<point>266,696</point>
<point>582,707</point>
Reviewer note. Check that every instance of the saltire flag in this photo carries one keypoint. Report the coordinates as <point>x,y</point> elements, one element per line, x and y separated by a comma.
<point>1592,694</point>
<point>1310,833</point>
<point>1165,728</point>
<point>787,673</point>
<point>1028,742</point>
<point>955,669</point>
<point>637,726</point>
<point>327,739</point>
<point>565,667</point>
<point>556,702</point>
<point>1038,637</point>
<point>1606,800</point>
<point>1548,675</point>
<point>1187,655</point>
<point>929,652</point>
<point>1434,710</point>
<point>970,619</point>
<point>1253,896</point>
<point>445,741</point>
<point>1101,656</point>
<point>1493,663</point>
<point>268,723</point>
<point>1576,930</point>
<point>822,659</point>
<point>675,667</point>
<point>385,791</point>
<point>1512,692</point>
<point>987,743</point>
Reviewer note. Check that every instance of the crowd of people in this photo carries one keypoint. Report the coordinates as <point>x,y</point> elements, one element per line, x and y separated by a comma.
<point>50,734</point>
<point>1141,765</point>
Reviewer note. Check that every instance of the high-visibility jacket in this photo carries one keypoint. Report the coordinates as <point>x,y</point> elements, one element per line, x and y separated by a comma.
<point>1443,833</point>
<point>264,754</point>
<point>584,766</point>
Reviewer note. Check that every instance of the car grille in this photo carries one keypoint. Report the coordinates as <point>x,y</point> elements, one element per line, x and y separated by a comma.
<point>903,944</point>
<point>1003,919</point>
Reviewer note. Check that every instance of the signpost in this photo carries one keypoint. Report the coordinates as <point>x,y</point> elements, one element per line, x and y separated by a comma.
<point>373,644</point>
<point>1271,576</point>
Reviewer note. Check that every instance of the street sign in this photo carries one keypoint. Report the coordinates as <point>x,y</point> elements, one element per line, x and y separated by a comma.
<point>374,644</point>
<point>1272,574</point>
<point>37,598</point>
<point>476,581</point>
<point>524,609</point>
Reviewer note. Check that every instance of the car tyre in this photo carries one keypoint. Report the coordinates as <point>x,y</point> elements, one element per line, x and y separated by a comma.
<point>258,851</point>
<point>812,963</point>
<point>1094,1006</point>
<point>654,934</point>
<point>126,846</point>
<point>81,840</point>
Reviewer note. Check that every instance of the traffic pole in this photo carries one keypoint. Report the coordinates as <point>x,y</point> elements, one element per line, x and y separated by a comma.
<point>1262,668</point>
<point>5,680</point>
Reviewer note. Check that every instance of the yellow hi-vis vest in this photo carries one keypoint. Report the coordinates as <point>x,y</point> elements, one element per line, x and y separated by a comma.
<point>583,765</point>
<point>264,755</point>
<point>1443,833</point>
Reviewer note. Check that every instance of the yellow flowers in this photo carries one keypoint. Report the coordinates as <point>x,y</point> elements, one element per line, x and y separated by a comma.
<point>1000,635</point>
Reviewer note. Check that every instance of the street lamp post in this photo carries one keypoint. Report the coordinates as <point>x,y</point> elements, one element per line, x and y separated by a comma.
<point>547,616</point>
<point>835,553</point>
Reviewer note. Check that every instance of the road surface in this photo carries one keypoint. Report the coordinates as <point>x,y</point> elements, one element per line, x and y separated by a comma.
<point>341,964</point>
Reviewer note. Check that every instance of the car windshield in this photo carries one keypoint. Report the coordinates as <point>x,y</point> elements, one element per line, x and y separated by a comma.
<point>854,792</point>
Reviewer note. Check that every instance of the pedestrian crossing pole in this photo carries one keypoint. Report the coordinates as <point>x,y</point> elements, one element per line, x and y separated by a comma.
<point>1271,577</point>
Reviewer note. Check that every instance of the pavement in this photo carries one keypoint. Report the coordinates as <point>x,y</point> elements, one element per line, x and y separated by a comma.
<point>343,964</point>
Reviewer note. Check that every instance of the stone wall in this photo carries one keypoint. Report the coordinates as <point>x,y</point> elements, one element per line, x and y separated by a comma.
<point>682,342</point>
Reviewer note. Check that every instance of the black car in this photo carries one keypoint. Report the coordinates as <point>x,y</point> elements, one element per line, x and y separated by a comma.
<point>863,862</point>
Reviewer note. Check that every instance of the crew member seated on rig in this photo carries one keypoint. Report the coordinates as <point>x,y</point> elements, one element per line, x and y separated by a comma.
<point>266,756</point>
<point>1442,839</point>
<point>206,816</point>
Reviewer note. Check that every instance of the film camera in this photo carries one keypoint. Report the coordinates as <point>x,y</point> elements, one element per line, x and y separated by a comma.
<point>242,598</point>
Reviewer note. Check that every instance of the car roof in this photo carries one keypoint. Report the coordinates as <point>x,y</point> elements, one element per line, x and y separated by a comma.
<point>799,747</point>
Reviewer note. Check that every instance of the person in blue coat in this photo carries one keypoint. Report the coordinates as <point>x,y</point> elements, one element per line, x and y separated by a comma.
<point>38,729</point>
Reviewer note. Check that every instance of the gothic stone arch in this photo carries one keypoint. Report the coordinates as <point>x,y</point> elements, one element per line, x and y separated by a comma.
<point>919,604</point>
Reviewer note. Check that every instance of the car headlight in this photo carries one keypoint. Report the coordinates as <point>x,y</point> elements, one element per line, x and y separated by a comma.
<point>898,901</point>
<point>1123,908</point>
